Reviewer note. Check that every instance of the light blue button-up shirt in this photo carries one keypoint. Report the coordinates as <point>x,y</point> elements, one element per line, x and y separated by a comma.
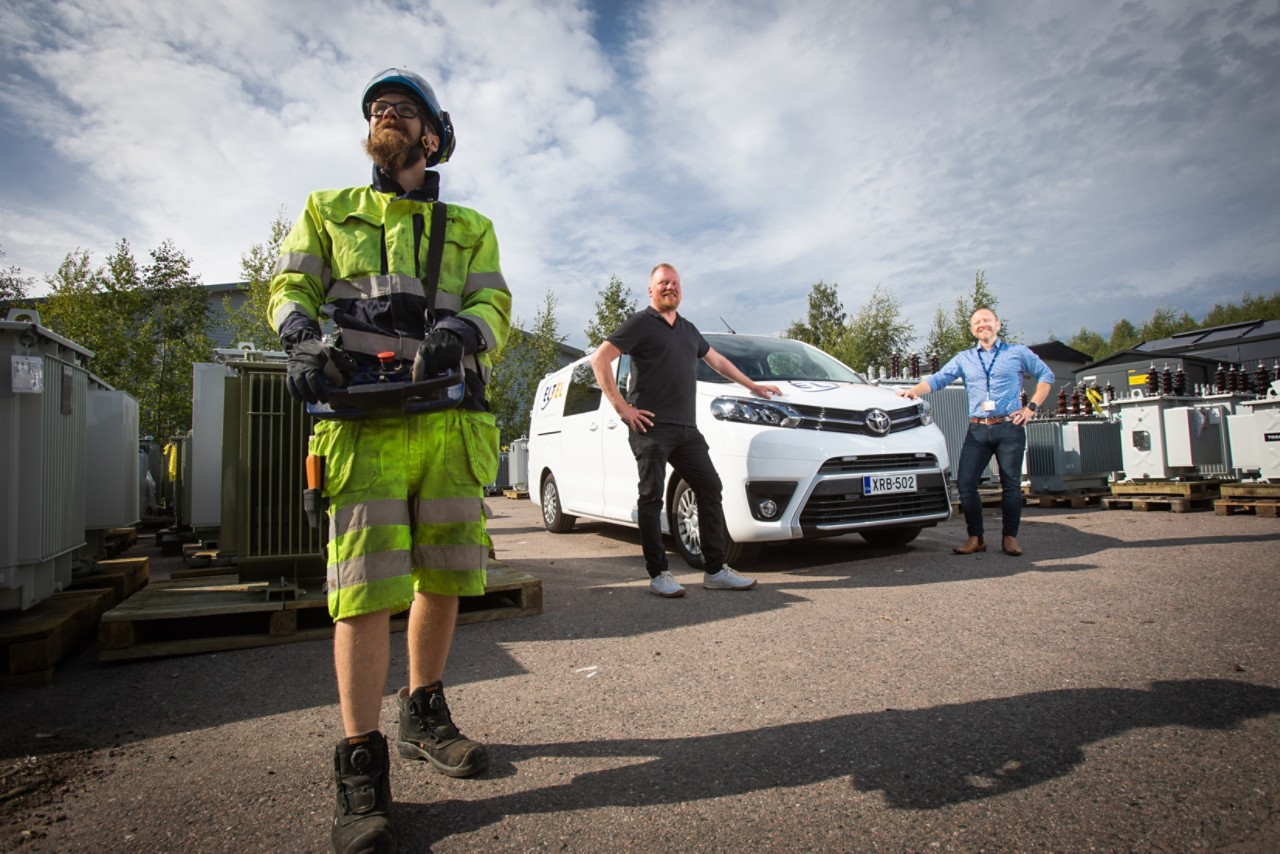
<point>994,374</point>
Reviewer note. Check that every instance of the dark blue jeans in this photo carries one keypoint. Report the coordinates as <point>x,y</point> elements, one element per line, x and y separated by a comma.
<point>1007,441</point>
<point>686,451</point>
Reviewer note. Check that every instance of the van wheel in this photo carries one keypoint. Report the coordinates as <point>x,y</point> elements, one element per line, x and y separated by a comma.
<point>688,540</point>
<point>890,537</point>
<point>556,520</point>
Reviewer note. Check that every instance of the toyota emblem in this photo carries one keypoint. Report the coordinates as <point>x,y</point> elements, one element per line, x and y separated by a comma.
<point>878,421</point>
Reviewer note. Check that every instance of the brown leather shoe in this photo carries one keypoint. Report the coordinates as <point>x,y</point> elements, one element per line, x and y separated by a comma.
<point>1009,545</point>
<point>971,545</point>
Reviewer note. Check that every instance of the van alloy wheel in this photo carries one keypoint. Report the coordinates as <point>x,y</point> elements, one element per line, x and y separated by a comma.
<point>553,516</point>
<point>683,523</point>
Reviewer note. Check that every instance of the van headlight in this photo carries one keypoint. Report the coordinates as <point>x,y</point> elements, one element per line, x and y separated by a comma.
<point>751,411</point>
<point>926,412</point>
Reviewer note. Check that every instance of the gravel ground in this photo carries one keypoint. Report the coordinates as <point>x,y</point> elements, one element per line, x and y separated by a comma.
<point>1116,688</point>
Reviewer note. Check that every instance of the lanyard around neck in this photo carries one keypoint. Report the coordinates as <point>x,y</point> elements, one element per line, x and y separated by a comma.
<point>986,369</point>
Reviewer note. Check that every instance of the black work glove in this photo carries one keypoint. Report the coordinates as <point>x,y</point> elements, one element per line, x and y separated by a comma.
<point>310,362</point>
<point>439,353</point>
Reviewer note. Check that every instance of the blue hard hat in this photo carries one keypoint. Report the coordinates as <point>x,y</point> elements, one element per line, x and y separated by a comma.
<point>404,80</point>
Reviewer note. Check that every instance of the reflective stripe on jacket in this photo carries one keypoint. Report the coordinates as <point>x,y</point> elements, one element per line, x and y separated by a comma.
<point>360,256</point>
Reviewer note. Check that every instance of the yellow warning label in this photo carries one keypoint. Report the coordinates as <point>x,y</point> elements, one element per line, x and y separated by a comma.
<point>1137,379</point>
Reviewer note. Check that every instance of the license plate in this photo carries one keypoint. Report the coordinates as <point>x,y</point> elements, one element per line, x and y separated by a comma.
<point>887,484</point>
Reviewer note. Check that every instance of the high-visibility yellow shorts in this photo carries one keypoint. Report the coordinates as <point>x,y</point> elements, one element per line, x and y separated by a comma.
<point>406,507</point>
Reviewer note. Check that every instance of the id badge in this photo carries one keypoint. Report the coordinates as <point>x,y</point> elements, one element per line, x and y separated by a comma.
<point>988,406</point>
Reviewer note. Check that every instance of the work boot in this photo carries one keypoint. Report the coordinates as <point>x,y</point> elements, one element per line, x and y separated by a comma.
<point>427,732</point>
<point>361,824</point>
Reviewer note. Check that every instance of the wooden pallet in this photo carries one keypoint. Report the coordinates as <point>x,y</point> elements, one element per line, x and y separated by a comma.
<point>988,497</point>
<point>203,572</point>
<point>34,641</point>
<point>521,494</point>
<point>1262,499</point>
<point>507,593</point>
<point>1157,502</point>
<point>1259,507</point>
<point>1064,499</point>
<point>1179,496</point>
<point>124,576</point>
<point>217,614</point>
<point>1242,491</point>
<point>199,556</point>
<point>1178,488</point>
<point>127,537</point>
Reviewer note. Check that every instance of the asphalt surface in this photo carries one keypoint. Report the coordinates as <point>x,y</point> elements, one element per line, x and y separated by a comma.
<point>1117,688</point>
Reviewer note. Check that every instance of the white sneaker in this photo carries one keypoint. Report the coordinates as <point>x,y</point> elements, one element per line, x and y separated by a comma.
<point>664,585</point>
<point>727,579</point>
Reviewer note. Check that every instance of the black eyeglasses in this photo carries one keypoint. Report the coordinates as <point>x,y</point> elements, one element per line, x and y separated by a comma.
<point>404,109</point>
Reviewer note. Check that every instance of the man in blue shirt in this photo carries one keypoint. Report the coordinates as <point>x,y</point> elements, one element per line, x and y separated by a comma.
<point>992,373</point>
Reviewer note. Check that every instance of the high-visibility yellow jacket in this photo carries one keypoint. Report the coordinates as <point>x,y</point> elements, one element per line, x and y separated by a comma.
<point>359,255</point>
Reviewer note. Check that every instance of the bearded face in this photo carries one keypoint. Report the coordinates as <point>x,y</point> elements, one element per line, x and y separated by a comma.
<point>390,146</point>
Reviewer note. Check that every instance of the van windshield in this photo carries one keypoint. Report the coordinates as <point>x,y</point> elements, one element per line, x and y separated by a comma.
<point>775,359</point>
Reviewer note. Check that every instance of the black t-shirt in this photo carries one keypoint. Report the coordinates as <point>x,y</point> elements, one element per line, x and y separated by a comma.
<point>664,359</point>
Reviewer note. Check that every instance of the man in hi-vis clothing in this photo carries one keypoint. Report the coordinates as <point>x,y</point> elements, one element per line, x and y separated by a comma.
<point>414,290</point>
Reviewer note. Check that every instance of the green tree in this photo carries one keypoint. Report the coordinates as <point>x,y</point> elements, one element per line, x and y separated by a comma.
<point>950,332</point>
<point>177,332</point>
<point>249,322</point>
<point>947,337</point>
<point>1123,336</point>
<point>982,297</point>
<point>1090,342</point>
<point>1250,308</point>
<point>614,306</point>
<point>825,327</point>
<point>518,367</point>
<point>1166,322</point>
<point>146,325</point>
<point>14,288</point>
<point>99,308</point>
<point>877,331</point>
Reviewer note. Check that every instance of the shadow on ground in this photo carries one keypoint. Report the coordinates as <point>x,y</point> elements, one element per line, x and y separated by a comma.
<point>919,759</point>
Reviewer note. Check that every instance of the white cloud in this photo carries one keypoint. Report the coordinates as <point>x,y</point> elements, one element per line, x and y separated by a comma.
<point>1093,158</point>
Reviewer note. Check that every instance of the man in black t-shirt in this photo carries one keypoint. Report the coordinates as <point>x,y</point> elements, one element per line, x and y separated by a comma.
<point>665,349</point>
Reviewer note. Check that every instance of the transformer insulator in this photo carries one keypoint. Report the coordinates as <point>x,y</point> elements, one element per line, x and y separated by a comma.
<point>1166,380</point>
<point>1109,391</point>
<point>1075,402</point>
<point>1220,379</point>
<point>1153,380</point>
<point>1264,378</point>
<point>933,363</point>
<point>915,366</point>
<point>1062,401</point>
<point>895,365</point>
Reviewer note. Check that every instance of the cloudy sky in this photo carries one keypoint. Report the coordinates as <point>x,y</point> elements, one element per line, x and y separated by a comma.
<point>1096,158</point>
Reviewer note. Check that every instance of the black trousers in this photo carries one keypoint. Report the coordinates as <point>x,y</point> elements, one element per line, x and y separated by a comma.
<point>686,450</point>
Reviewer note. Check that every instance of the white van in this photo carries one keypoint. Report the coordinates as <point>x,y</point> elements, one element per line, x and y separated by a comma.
<point>833,455</point>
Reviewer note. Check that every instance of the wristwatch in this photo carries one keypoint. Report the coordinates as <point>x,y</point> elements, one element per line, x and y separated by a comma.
<point>1033,406</point>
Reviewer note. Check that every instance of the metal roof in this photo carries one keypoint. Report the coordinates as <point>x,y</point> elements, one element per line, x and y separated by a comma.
<point>1231,333</point>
